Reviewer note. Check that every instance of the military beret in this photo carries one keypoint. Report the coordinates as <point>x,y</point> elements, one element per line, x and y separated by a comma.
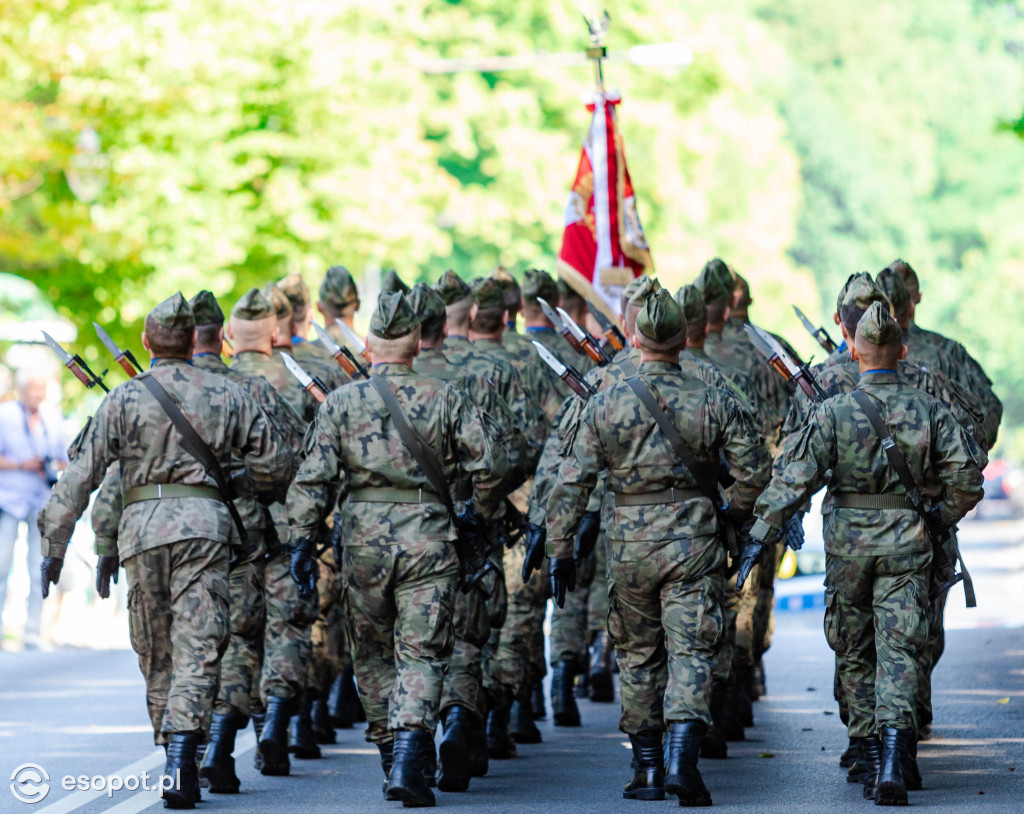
<point>392,282</point>
<point>206,309</point>
<point>452,288</point>
<point>661,318</point>
<point>646,287</point>
<point>275,296</point>
<point>631,287</point>
<point>174,314</point>
<point>846,287</point>
<point>712,288</point>
<point>394,317</point>
<point>426,304</point>
<point>895,289</point>
<point>906,272</point>
<point>566,291</point>
<point>253,306</point>
<point>717,268</point>
<point>513,294</point>
<point>692,303</point>
<point>295,290</point>
<point>538,284</point>
<point>338,288</point>
<point>877,325</point>
<point>487,293</point>
<point>861,292</point>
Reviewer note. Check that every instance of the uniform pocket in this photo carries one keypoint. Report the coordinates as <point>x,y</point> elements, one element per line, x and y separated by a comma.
<point>711,622</point>
<point>140,624</point>
<point>616,626</point>
<point>833,620</point>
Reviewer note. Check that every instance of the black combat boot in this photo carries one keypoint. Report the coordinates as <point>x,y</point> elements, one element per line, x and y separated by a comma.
<point>744,695</point>
<point>258,720</point>
<point>476,744</point>
<point>713,745</point>
<point>320,719</point>
<point>218,766</point>
<point>386,750</point>
<point>760,688</point>
<point>343,701</point>
<point>521,724</point>
<point>849,757</point>
<point>301,740</point>
<point>563,704</point>
<point>871,759</point>
<point>406,782</point>
<point>428,760</point>
<point>911,772</point>
<point>454,762</point>
<point>181,765</point>
<point>273,743</point>
<point>648,781</point>
<point>602,689</point>
<point>334,706</point>
<point>500,745</point>
<point>200,754</point>
<point>892,788</point>
<point>537,701</point>
<point>732,726</point>
<point>682,777</point>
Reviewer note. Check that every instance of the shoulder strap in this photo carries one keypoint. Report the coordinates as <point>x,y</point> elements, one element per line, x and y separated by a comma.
<point>197,448</point>
<point>420,449</point>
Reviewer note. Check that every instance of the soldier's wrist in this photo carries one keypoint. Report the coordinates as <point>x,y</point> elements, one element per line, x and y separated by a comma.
<point>764,532</point>
<point>53,548</point>
<point>105,547</point>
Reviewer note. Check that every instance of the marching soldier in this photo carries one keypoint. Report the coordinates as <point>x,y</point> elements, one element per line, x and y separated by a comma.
<point>175,529</point>
<point>338,298</point>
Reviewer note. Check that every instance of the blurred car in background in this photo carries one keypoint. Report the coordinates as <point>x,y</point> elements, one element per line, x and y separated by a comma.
<point>1004,491</point>
<point>810,559</point>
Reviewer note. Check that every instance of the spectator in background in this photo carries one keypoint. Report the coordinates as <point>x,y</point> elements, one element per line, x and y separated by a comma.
<point>33,449</point>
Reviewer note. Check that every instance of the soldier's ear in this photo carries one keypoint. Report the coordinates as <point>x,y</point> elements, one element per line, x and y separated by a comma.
<point>230,333</point>
<point>145,341</point>
<point>903,352</point>
<point>634,341</point>
<point>836,320</point>
<point>853,349</point>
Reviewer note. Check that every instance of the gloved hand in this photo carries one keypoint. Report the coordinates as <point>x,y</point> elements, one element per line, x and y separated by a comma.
<point>473,527</point>
<point>107,567</point>
<point>586,536</point>
<point>937,530</point>
<point>751,552</point>
<point>302,568</point>
<point>50,572</point>
<point>536,536</point>
<point>793,532</point>
<point>562,571</point>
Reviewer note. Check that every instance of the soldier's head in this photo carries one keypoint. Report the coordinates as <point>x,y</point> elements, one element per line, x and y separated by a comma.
<point>640,289</point>
<point>715,283</point>
<point>696,314</point>
<point>458,300</point>
<point>896,290</point>
<point>297,292</point>
<point>209,322</point>
<point>488,317</point>
<point>391,283</point>
<point>741,299</point>
<point>538,285</point>
<point>513,293</point>
<point>170,329</point>
<point>253,323</point>
<point>660,328</point>
<point>837,317</point>
<point>283,311</point>
<point>879,340</point>
<point>571,302</point>
<point>339,297</point>
<point>860,293</point>
<point>430,311</point>
<point>909,277</point>
<point>394,330</point>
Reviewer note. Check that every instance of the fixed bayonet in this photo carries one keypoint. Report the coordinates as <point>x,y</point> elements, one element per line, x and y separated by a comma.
<point>611,333</point>
<point>226,348</point>
<point>777,357</point>
<point>311,384</point>
<point>587,342</point>
<point>125,358</point>
<point>560,325</point>
<point>342,355</point>
<point>76,364</point>
<point>818,333</point>
<point>354,340</point>
<point>566,373</point>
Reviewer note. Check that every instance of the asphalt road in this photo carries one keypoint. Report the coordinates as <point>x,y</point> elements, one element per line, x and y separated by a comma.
<point>82,712</point>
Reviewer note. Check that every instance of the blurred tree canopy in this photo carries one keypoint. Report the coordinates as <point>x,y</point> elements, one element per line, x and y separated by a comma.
<point>243,139</point>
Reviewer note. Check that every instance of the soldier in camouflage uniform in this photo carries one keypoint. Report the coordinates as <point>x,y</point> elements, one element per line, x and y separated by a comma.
<point>174,531</point>
<point>399,567</point>
<point>666,562</point>
<point>338,298</point>
<point>878,552</point>
<point>314,360</point>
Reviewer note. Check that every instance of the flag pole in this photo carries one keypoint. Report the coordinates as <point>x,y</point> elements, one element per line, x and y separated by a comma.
<point>598,28</point>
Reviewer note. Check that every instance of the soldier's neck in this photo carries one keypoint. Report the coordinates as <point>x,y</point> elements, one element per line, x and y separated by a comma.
<point>478,337</point>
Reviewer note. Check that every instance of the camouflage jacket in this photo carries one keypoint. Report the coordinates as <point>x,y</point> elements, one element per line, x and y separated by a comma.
<point>615,432</point>
<point>953,349</point>
<point>720,375</point>
<point>271,368</point>
<point>106,512</point>
<point>354,444</point>
<point>771,394</point>
<point>837,447</point>
<point>131,427</point>
<point>314,359</point>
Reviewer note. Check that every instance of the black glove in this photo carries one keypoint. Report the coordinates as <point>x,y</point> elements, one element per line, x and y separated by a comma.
<point>586,536</point>
<point>108,566</point>
<point>751,552</point>
<point>562,571</point>
<point>302,568</point>
<point>535,539</point>
<point>50,572</point>
<point>937,530</point>
<point>793,532</point>
<point>473,527</point>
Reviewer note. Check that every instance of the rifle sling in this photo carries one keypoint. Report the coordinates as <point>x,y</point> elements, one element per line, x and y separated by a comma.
<point>902,469</point>
<point>198,449</point>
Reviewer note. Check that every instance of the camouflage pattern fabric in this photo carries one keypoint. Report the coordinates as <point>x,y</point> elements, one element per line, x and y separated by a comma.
<point>287,643</point>
<point>314,359</point>
<point>240,666</point>
<point>106,512</point>
<point>271,368</point>
<point>327,634</point>
<point>539,385</point>
<point>562,351</point>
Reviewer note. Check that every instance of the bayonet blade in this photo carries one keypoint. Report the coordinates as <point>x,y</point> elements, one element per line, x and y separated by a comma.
<point>549,312</point>
<point>549,359</point>
<point>600,317</point>
<point>807,323</point>
<point>106,339</point>
<point>352,337</point>
<point>62,354</point>
<point>123,357</point>
<point>329,343</point>
<point>778,350</point>
<point>762,347</point>
<point>296,370</point>
<point>570,323</point>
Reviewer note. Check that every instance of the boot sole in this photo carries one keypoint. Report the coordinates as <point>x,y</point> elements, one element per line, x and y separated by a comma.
<point>178,802</point>
<point>275,759</point>
<point>526,737</point>
<point>303,753</point>
<point>695,802</point>
<point>644,794</point>
<point>891,794</point>
<point>408,799</point>
<point>218,782</point>
<point>324,737</point>
<point>454,774</point>
<point>567,720</point>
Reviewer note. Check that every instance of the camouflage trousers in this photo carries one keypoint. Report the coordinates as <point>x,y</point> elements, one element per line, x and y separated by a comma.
<point>240,667</point>
<point>745,606</point>
<point>517,651</point>
<point>178,622</point>
<point>665,619</point>
<point>876,622</point>
<point>327,637</point>
<point>398,602</point>
<point>585,614</point>
<point>464,681</point>
<point>287,648</point>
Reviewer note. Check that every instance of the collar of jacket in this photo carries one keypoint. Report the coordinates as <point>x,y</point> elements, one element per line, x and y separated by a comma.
<point>878,377</point>
<point>164,361</point>
<point>391,369</point>
<point>659,367</point>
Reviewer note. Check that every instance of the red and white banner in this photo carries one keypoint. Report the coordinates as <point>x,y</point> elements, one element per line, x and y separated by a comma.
<point>603,246</point>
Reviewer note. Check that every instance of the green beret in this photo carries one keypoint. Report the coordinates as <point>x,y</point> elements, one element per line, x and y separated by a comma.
<point>296,291</point>
<point>275,296</point>
<point>338,288</point>
<point>174,314</point>
<point>643,291</point>
<point>206,309</point>
<point>895,289</point>
<point>452,288</point>
<point>538,284</point>
<point>877,325</point>
<point>861,292</point>
<point>661,318</point>
<point>392,282</point>
<point>513,294</point>
<point>394,317</point>
<point>631,288</point>
<point>717,268</point>
<point>253,306</point>
<point>711,285</point>
<point>426,304</point>
<point>906,272</point>
<point>846,287</point>
<point>692,303</point>
<point>488,293</point>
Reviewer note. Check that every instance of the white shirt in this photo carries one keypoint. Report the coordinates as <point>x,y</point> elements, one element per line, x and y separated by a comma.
<point>22,493</point>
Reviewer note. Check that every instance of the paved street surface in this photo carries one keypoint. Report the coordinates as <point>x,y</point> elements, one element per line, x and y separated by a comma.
<point>78,711</point>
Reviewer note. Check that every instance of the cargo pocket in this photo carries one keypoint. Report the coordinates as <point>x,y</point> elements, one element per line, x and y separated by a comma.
<point>616,626</point>
<point>711,622</point>
<point>833,620</point>
<point>249,623</point>
<point>140,626</point>
<point>214,609</point>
